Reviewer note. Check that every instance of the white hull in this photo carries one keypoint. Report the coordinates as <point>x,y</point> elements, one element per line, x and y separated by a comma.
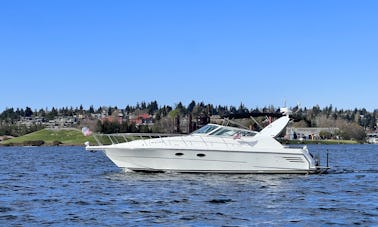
<point>213,161</point>
<point>214,148</point>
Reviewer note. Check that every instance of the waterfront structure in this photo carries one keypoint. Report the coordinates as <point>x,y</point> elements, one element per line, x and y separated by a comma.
<point>309,133</point>
<point>372,138</point>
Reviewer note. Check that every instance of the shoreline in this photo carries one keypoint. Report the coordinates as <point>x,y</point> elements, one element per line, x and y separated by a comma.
<point>43,143</point>
<point>324,142</point>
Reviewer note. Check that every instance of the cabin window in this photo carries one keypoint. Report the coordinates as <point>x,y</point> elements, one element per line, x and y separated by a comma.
<point>223,132</point>
<point>201,155</point>
<point>179,154</point>
<point>205,129</point>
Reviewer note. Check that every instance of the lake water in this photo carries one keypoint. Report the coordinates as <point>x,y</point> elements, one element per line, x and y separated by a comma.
<point>67,186</point>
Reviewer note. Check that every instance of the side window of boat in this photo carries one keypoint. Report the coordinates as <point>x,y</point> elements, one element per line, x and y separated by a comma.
<point>247,133</point>
<point>223,132</point>
<point>210,128</point>
<point>205,129</point>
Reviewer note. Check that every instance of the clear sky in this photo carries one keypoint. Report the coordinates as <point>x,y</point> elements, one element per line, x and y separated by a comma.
<point>260,53</point>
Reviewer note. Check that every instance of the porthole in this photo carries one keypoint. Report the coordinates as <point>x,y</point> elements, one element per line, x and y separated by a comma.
<point>179,154</point>
<point>201,155</point>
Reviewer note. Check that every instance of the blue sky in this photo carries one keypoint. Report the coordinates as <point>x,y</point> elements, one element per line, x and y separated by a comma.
<point>260,53</point>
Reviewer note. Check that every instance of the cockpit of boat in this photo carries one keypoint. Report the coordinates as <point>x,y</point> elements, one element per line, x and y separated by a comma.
<point>220,130</point>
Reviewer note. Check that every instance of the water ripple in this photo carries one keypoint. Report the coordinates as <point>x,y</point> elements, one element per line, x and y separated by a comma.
<point>66,186</point>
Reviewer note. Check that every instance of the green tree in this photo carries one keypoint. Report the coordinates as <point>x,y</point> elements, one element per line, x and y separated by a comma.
<point>144,129</point>
<point>152,107</point>
<point>325,135</point>
<point>175,116</point>
<point>28,112</point>
<point>182,110</point>
<point>352,131</point>
<point>242,109</point>
<point>52,114</point>
<point>191,106</point>
<point>91,109</point>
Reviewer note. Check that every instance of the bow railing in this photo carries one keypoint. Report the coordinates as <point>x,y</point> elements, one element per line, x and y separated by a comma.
<point>116,138</point>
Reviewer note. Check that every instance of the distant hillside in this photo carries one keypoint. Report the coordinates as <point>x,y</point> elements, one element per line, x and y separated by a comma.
<point>51,137</point>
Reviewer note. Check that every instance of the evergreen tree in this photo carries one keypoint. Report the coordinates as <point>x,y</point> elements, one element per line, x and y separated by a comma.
<point>191,106</point>
<point>28,112</point>
<point>143,105</point>
<point>41,113</point>
<point>181,109</point>
<point>242,109</point>
<point>91,109</point>
<point>152,107</point>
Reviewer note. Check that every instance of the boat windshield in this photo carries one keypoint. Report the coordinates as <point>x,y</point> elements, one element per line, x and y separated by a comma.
<point>205,129</point>
<point>224,132</point>
<point>232,132</point>
<point>217,130</point>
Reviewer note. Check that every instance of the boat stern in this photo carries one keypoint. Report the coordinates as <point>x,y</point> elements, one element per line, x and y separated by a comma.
<point>315,164</point>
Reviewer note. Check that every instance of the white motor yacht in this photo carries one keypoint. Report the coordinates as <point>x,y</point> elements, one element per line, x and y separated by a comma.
<point>214,149</point>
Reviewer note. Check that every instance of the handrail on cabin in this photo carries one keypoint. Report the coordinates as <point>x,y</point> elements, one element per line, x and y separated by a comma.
<point>114,137</point>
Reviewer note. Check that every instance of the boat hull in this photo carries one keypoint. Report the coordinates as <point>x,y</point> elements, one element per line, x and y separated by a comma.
<point>210,161</point>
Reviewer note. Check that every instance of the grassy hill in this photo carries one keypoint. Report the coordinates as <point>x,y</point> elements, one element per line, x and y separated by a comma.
<point>51,137</point>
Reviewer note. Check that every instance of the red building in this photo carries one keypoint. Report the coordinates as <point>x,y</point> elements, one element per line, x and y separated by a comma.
<point>142,119</point>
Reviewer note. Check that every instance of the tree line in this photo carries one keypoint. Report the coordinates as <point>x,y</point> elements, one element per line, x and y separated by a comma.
<point>165,116</point>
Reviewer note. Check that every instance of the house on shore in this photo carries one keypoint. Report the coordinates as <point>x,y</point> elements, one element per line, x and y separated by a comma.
<point>141,119</point>
<point>309,133</point>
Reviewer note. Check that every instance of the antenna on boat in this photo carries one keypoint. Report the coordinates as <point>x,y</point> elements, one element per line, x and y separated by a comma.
<point>284,110</point>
